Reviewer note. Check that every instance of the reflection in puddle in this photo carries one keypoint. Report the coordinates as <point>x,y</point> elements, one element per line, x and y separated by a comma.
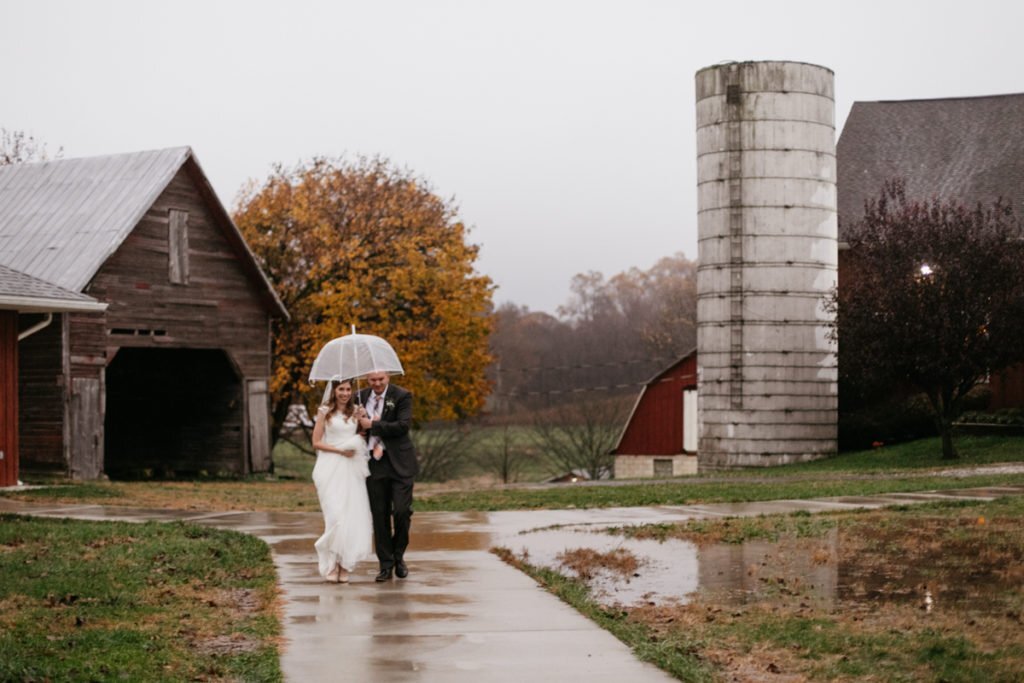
<point>405,598</point>
<point>430,539</point>
<point>667,570</point>
<point>755,570</point>
<point>812,569</point>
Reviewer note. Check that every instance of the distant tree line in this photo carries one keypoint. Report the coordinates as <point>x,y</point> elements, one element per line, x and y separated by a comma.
<point>609,338</point>
<point>571,378</point>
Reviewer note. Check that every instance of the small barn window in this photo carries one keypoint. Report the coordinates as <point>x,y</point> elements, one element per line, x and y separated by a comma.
<point>663,467</point>
<point>177,241</point>
<point>732,94</point>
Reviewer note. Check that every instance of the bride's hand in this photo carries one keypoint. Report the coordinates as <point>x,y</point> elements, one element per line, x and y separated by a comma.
<point>348,454</point>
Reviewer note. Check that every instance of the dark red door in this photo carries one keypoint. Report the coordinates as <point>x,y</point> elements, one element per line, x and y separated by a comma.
<point>8,398</point>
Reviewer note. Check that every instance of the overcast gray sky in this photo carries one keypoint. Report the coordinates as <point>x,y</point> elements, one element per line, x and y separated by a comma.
<point>563,128</point>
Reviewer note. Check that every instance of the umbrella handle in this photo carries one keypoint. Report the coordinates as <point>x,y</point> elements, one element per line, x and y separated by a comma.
<point>359,400</point>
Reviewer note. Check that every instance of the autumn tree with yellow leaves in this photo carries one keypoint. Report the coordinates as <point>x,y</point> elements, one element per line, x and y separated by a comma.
<point>363,243</point>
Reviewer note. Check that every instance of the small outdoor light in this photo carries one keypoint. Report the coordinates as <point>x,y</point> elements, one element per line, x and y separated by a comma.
<point>926,269</point>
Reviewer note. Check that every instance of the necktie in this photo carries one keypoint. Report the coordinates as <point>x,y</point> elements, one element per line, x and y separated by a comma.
<point>375,410</point>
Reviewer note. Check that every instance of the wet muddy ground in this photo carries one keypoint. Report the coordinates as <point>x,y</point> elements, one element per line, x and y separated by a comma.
<point>679,571</point>
<point>922,593</point>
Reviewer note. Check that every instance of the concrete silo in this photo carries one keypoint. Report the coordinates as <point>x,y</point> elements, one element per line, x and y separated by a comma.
<point>767,232</point>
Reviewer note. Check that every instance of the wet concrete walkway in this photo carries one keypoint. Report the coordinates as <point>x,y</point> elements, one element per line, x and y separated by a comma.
<point>462,615</point>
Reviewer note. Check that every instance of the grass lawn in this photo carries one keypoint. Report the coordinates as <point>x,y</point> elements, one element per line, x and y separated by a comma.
<point>903,467</point>
<point>876,627</point>
<point>291,462</point>
<point>912,455</point>
<point>117,601</point>
<point>689,492</point>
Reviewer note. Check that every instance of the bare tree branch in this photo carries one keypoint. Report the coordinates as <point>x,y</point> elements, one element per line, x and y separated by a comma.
<point>580,435</point>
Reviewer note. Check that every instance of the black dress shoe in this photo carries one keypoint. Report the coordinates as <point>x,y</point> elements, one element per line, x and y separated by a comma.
<point>401,571</point>
<point>385,575</point>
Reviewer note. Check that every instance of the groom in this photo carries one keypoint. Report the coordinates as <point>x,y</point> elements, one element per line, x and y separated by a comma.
<point>393,466</point>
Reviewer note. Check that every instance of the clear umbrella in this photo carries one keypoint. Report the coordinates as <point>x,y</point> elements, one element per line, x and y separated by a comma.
<point>354,356</point>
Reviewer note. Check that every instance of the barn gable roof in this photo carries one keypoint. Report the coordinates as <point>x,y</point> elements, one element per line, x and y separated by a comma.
<point>61,220</point>
<point>968,148</point>
<point>662,373</point>
<point>22,292</point>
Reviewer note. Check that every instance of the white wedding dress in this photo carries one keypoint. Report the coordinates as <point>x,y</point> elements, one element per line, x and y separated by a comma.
<point>341,487</point>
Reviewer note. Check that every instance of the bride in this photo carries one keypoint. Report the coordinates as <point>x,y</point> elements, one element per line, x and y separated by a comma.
<point>340,478</point>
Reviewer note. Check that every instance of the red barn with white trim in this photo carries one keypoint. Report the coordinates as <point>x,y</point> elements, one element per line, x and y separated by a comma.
<point>660,437</point>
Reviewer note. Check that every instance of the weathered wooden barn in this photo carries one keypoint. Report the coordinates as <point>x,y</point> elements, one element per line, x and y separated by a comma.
<point>24,298</point>
<point>171,378</point>
<point>968,148</point>
<point>660,436</point>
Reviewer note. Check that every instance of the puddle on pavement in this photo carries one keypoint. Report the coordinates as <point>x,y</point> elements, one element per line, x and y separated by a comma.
<point>429,539</point>
<point>669,569</point>
<point>678,571</point>
<point>389,618</point>
<point>405,598</point>
<point>302,545</point>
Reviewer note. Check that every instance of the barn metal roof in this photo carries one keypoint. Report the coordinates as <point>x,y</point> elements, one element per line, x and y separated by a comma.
<point>61,220</point>
<point>967,148</point>
<point>25,293</point>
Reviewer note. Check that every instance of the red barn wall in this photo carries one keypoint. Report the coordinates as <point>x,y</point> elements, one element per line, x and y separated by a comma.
<point>9,398</point>
<point>656,427</point>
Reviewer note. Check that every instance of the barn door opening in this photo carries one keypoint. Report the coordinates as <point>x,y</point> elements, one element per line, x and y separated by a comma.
<point>173,412</point>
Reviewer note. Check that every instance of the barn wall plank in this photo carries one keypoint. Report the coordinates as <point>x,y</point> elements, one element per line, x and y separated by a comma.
<point>41,400</point>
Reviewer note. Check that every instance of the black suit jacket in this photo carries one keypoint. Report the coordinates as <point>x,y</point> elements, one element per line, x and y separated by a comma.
<point>393,429</point>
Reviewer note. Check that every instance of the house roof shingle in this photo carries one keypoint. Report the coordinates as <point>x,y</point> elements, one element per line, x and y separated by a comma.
<point>967,148</point>
<point>22,292</point>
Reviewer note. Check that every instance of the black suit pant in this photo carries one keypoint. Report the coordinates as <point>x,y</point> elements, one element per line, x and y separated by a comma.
<point>391,507</point>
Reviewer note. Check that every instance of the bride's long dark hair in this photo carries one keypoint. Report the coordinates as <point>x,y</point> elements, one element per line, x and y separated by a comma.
<point>332,401</point>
